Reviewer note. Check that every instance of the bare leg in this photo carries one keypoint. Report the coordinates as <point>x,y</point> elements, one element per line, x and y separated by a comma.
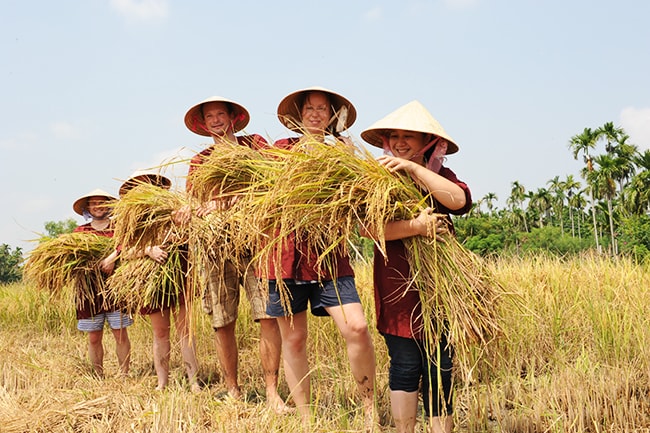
<point>439,424</point>
<point>96,351</point>
<point>160,323</point>
<point>226,344</point>
<point>351,321</point>
<point>270,354</point>
<point>296,364</point>
<point>122,349</point>
<point>188,346</point>
<point>404,406</point>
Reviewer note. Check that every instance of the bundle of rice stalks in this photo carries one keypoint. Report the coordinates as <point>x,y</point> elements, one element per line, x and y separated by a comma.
<point>326,190</point>
<point>144,217</point>
<point>232,169</point>
<point>145,220</point>
<point>459,296</point>
<point>68,265</point>
<point>322,194</point>
<point>144,283</point>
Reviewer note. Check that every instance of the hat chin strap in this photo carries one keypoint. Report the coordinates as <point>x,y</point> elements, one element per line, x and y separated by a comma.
<point>437,157</point>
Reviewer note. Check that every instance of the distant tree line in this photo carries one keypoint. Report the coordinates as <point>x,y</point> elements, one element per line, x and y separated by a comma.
<point>609,212</point>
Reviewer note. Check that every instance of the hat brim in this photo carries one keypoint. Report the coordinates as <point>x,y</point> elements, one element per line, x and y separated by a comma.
<point>144,178</point>
<point>82,202</point>
<point>194,116</point>
<point>289,111</point>
<point>374,137</point>
<point>410,117</point>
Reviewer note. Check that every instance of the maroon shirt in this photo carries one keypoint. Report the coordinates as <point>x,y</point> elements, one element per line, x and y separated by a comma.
<point>297,261</point>
<point>87,309</point>
<point>397,305</point>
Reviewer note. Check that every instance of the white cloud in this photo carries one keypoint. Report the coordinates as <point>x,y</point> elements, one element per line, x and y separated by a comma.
<point>636,122</point>
<point>142,9</point>
<point>374,14</point>
<point>64,130</point>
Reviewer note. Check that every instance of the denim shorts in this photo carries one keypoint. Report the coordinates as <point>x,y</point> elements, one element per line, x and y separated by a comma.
<point>115,319</point>
<point>318,294</point>
<point>409,365</point>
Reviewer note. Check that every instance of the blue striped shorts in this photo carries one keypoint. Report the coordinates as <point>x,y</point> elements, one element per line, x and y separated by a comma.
<point>115,319</point>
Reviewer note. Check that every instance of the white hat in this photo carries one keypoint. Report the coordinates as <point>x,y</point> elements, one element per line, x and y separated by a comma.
<point>82,202</point>
<point>410,117</point>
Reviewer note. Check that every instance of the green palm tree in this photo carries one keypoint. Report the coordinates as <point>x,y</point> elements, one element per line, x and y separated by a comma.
<point>516,200</point>
<point>489,200</point>
<point>583,143</point>
<point>557,190</point>
<point>603,178</point>
<point>570,186</point>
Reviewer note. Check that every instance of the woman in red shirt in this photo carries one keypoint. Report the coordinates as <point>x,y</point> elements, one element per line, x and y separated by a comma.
<point>414,143</point>
<point>311,112</point>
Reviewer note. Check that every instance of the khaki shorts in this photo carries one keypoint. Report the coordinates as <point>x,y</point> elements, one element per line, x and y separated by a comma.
<point>221,295</point>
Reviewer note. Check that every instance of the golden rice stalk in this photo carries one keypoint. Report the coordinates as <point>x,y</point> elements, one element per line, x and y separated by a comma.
<point>231,169</point>
<point>143,283</point>
<point>325,190</point>
<point>68,265</point>
<point>321,195</point>
<point>144,217</point>
<point>459,295</point>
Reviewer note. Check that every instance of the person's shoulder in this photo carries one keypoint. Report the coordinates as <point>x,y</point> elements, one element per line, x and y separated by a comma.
<point>254,141</point>
<point>83,228</point>
<point>286,143</point>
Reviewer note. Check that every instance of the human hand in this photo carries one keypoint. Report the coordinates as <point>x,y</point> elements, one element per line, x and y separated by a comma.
<point>182,215</point>
<point>206,208</point>
<point>107,265</point>
<point>429,224</point>
<point>156,254</point>
<point>393,164</point>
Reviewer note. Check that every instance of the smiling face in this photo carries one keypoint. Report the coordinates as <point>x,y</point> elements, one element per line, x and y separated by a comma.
<point>97,207</point>
<point>316,113</point>
<point>218,119</point>
<point>406,144</point>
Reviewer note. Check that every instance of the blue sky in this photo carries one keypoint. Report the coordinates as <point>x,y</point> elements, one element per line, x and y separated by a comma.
<point>93,89</point>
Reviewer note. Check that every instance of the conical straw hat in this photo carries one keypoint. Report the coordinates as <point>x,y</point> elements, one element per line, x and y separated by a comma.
<point>194,116</point>
<point>82,202</point>
<point>289,109</point>
<point>145,176</point>
<point>410,117</point>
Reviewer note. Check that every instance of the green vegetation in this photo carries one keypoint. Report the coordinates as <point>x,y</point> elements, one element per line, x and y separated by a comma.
<point>609,213</point>
<point>10,262</point>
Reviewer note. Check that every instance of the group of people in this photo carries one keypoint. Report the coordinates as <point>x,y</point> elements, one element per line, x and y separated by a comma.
<point>413,143</point>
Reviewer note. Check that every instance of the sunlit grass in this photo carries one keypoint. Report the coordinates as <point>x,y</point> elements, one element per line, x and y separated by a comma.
<point>575,357</point>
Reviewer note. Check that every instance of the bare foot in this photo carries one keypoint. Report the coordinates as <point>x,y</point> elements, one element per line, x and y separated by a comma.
<point>278,405</point>
<point>235,393</point>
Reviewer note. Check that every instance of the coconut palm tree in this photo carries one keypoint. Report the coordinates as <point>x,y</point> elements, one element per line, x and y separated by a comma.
<point>516,199</point>
<point>540,200</point>
<point>583,143</point>
<point>603,178</point>
<point>557,189</point>
<point>489,200</point>
<point>570,186</point>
